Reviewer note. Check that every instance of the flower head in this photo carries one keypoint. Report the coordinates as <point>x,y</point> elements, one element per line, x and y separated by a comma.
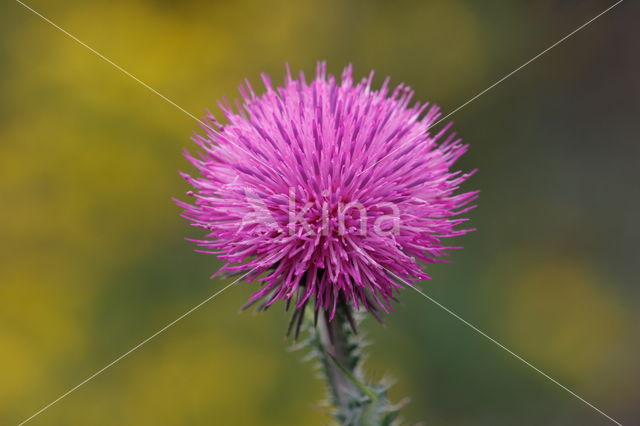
<point>327,191</point>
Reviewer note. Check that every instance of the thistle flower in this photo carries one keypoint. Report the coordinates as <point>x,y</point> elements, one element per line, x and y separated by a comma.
<point>327,191</point>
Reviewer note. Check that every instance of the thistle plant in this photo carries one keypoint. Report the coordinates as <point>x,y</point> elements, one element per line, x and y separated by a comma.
<point>329,195</point>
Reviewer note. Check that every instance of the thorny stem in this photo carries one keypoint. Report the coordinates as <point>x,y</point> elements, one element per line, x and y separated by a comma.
<point>338,350</point>
<point>334,338</point>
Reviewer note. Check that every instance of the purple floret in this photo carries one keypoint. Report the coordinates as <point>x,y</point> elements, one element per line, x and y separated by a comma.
<point>327,191</point>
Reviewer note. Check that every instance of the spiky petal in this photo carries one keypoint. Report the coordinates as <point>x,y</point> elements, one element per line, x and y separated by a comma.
<point>327,190</point>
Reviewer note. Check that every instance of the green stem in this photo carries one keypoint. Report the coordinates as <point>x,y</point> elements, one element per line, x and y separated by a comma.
<point>339,360</point>
<point>338,350</point>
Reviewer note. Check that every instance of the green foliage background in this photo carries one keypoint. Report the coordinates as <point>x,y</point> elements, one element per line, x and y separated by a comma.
<point>92,258</point>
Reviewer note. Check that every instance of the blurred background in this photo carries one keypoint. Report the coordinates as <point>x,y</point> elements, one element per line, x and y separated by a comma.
<point>92,256</point>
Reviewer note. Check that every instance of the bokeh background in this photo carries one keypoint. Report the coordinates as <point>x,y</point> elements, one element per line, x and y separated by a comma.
<point>92,257</point>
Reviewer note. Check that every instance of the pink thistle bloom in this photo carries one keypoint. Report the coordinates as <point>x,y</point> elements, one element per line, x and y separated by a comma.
<point>327,191</point>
